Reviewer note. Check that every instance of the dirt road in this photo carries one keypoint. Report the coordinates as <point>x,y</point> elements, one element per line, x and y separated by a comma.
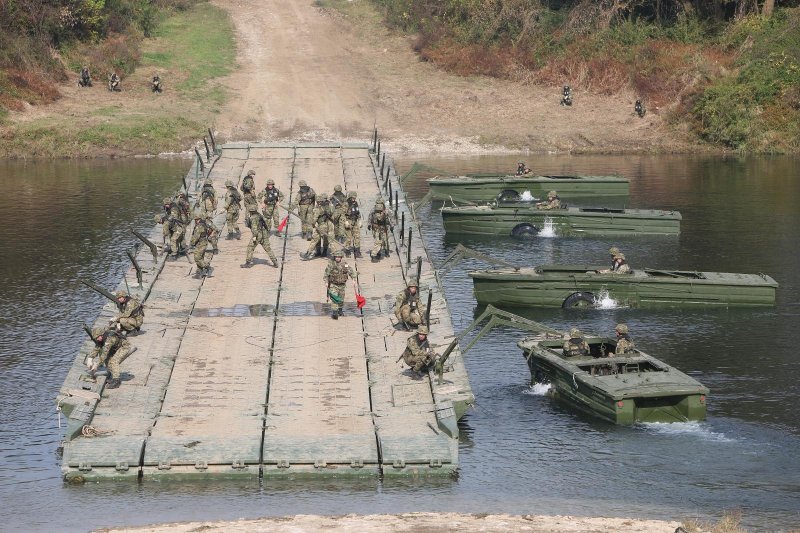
<point>314,74</point>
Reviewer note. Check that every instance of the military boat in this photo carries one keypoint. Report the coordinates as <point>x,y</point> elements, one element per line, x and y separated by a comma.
<point>523,219</point>
<point>622,389</point>
<point>582,285</point>
<point>481,188</point>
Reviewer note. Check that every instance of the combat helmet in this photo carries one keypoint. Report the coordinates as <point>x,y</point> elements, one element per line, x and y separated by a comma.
<point>338,188</point>
<point>412,282</point>
<point>379,207</point>
<point>575,333</point>
<point>614,251</point>
<point>270,181</point>
<point>338,253</point>
<point>621,328</point>
<point>252,208</point>
<point>552,194</point>
<point>97,332</point>
<point>167,200</point>
<point>228,183</point>
<point>208,182</point>
<point>423,330</point>
<point>251,172</point>
<point>322,197</point>
<point>352,194</point>
<point>120,294</point>
<point>302,183</point>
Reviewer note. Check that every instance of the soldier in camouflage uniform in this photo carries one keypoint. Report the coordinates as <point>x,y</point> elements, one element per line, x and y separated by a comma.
<point>304,203</point>
<point>575,345</point>
<point>272,197</point>
<point>619,265</point>
<point>131,312</point>
<point>338,200</point>
<point>407,307</point>
<point>380,223</point>
<point>200,239</point>
<point>553,202</point>
<point>248,183</point>
<point>352,225</point>
<point>208,198</point>
<point>336,274</point>
<point>173,228</point>
<point>233,202</point>
<point>323,232</point>
<point>418,353</point>
<point>624,341</point>
<point>110,349</point>
<point>258,225</point>
<point>183,207</point>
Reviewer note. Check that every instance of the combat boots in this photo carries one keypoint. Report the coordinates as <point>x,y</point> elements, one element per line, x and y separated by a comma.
<point>335,315</point>
<point>113,383</point>
<point>357,252</point>
<point>247,264</point>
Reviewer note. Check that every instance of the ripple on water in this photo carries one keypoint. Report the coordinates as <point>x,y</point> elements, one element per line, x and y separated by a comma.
<point>699,430</point>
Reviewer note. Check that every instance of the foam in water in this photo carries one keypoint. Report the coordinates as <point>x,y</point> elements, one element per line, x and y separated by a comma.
<point>527,197</point>
<point>547,231</point>
<point>538,389</point>
<point>692,429</point>
<point>603,300</point>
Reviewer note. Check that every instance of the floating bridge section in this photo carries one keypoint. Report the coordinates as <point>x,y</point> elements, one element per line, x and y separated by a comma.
<point>244,374</point>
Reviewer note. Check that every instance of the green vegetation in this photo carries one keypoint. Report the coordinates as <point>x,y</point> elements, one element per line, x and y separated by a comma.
<point>731,68</point>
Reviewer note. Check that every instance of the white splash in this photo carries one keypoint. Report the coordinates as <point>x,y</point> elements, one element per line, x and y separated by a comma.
<point>527,197</point>
<point>548,231</point>
<point>603,300</point>
<point>692,429</point>
<point>538,389</point>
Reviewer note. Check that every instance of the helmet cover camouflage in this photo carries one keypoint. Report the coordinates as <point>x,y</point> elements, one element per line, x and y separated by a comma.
<point>423,330</point>
<point>228,183</point>
<point>338,188</point>
<point>322,197</point>
<point>622,328</point>
<point>208,182</point>
<point>338,253</point>
<point>352,194</point>
<point>252,208</point>
<point>552,194</point>
<point>574,333</point>
<point>614,250</point>
<point>270,182</point>
<point>302,183</point>
<point>251,172</point>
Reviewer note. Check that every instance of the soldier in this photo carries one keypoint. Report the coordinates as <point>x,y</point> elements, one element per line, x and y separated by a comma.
<point>323,230</point>
<point>183,207</point>
<point>575,345</point>
<point>131,312</point>
<point>258,225</point>
<point>110,349</point>
<point>304,203</point>
<point>566,96</point>
<point>618,263</point>
<point>113,82</point>
<point>338,202</point>
<point>233,202</point>
<point>173,229</point>
<point>418,353</point>
<point>208,198</point>
<point>624,341</point>
<point>200,239</point>
<point>248,183</point>
<point>272,198</point>
<point>156,83</point>
<point>336,274</point>
<point>380,224</point>
<point>520,168</point>
<point>86,79</point>
<point>352,225</point>
<point>639,109</point>
<point>553,202</point>
<point>407,307</point>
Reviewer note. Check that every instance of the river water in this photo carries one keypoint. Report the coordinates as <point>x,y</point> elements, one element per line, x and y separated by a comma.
<point>520,451</point>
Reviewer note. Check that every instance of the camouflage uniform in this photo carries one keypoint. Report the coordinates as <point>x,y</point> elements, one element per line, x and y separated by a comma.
<point>131,314</point>
<point>624,341</point>
<point>553,202</point>
<point>418,353</point>
<point>304,203</point>
<point>183,208</point>
<point>407,307</point>
<point>111,349</point>
<point>380,223</point>
<point>323,232</point>
<point>351,222</point>
<point>173,228</point>
<point>336,274</point>
<point>200,239</point>
<point>249,199</point>
<point>233,202</point>
<point>338,202</point>
<point>575,345</point>
<point>208,198</point>
<point>248,183</point>
<point>618,263</point>
<point>258,225</point>
<point>272,197</point>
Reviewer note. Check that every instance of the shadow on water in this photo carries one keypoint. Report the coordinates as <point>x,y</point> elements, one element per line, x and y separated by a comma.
<point>521,452</point>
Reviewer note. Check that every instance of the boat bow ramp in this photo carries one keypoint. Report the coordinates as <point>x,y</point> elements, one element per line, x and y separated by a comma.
<point>245,375</point>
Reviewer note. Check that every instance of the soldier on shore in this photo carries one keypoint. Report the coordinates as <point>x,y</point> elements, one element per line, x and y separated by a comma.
<point>322,229</point>
<point>304,203</point>
<point>200,240</point>
<point>336,274</point>
<point>407,307</point>
<point>380,224</point>
<point>619,265</point>
<point>233,203</point>
<point>418,353</point>
<point>131,312</point>
<point>110,349</point>
<point>575,345</point>
<point>352,225</point>
<point>553,202</point>
<point>258,226</point>
<point>272,197</point>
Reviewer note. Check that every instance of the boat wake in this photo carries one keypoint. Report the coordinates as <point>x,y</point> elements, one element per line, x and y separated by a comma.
<point>538,389</point>
<point>691,429</point>
<point>603,300</point>
<point>547,231</point>
<point>527,197</point>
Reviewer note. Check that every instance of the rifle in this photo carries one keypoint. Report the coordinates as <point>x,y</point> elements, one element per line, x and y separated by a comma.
<point>102,291</point>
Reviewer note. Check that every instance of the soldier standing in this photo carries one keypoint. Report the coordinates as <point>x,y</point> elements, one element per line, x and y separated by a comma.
<point>248,183</point>
<point>272,198</point>
<point>323,232</point>
<point>575,345</point>
<point>418,353</point>
<point>336,274</point>
<point>352,225</point>
<point>200,239</point>
<point>380,224</point>
<point>619,265</point>
<point>183,207</point>
<point>208,198</point>
<point>553,202</point>
<point>407,307</point>
<point>304,203</point>
<point>338,201</point>
<point>110,350</point>
<point>258,226</point>
<point>233,202</point>
<point>173,228</point>
<point>624,341</point>
<point>131,312</point>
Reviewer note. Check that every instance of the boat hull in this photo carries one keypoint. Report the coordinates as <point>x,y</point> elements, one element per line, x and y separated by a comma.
<point>567,287</point>
<point>491,221</point>
<point>485,189</point>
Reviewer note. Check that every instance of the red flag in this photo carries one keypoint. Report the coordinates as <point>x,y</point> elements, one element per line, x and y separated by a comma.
<point>283,223</point>
<point>360,300</point>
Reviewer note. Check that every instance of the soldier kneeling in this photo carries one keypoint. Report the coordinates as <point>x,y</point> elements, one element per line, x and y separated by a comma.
<point>407,307</point>
<point>418,353</point>
<point>131,313</point>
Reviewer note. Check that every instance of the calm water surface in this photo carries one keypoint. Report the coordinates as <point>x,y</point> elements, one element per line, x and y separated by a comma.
<point>520,451</point>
